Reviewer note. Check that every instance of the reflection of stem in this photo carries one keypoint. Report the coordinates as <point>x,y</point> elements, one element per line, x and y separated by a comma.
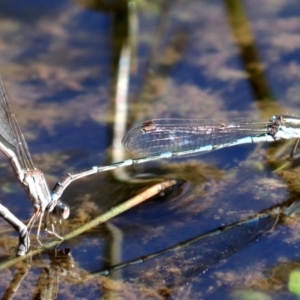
<point>143,196</point>
<point>248,50</point>
<point>128,50</point>
<point>121,109</point>
<point>47,285</point>
<point>16,282</point>
<point>113,247</point>
<point>127,62</point>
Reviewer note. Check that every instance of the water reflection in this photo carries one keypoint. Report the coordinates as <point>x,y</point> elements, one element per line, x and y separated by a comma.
<point>170,273</point>
<point>59,265</point>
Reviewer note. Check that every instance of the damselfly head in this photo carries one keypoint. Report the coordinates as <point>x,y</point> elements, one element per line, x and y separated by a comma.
<point>61,211</point>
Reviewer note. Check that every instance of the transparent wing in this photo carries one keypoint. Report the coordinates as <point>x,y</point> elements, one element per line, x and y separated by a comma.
<point>11,132</point>
<point>162,135</point>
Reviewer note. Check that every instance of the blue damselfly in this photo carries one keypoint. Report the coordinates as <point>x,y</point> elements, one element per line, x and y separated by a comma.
<point>168,138</point>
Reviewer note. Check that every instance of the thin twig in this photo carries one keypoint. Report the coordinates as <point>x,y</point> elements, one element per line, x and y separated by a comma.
<point>145,195</point>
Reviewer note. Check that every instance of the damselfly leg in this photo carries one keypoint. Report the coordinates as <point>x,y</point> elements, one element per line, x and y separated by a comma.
<point>20,227</point>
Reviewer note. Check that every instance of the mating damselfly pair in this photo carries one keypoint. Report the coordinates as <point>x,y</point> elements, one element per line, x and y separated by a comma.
<point>155,139</point>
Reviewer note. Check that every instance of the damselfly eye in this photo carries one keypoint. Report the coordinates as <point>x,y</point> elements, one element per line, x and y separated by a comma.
<point>61,211</point>
<point>65,211</point>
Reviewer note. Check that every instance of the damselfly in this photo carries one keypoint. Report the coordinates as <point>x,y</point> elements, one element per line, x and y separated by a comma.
<point>166,138</point>
<point>13,145</point>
